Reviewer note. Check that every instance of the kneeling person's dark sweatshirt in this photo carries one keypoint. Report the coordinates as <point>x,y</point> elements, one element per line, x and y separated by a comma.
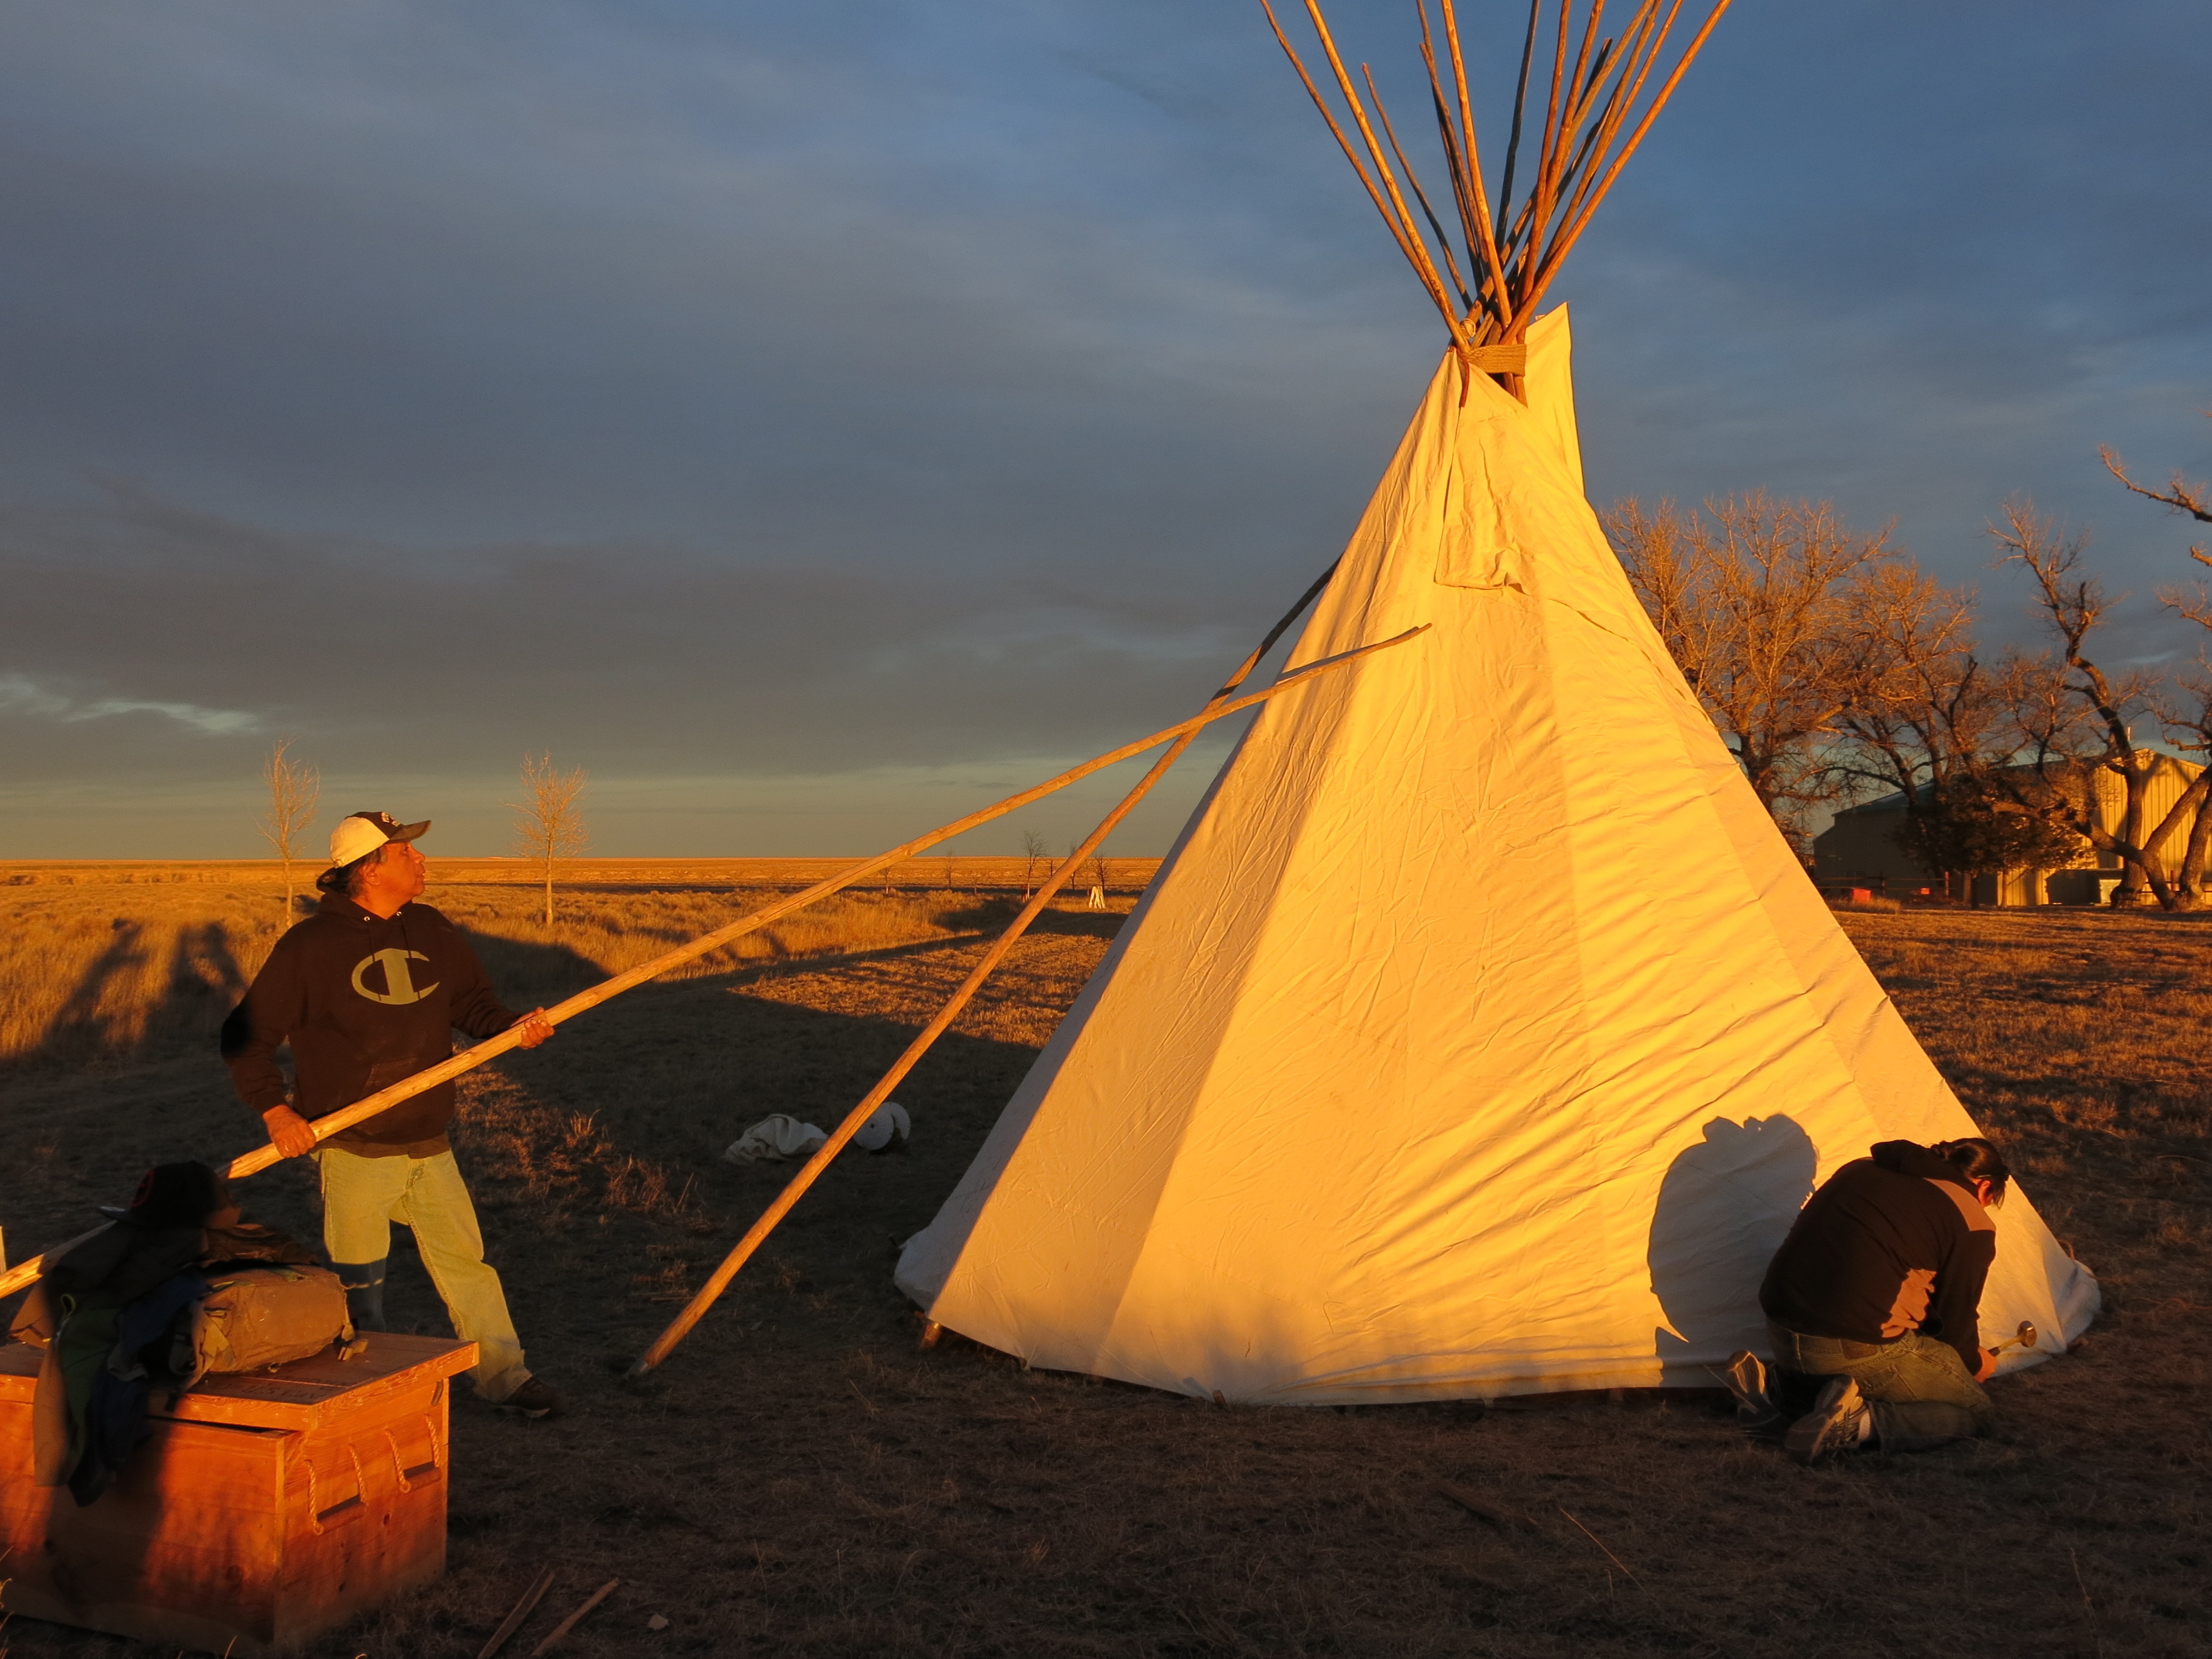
<point>364,1001</point>
<point>1892,1243</point>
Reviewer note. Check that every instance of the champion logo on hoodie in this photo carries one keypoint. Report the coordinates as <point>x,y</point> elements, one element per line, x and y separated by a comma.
<point>362,1001</point>
<point>399,986</point>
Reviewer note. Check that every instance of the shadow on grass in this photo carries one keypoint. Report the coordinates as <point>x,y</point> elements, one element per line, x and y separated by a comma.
<point>629,1109</point>
<point>123,1014</point>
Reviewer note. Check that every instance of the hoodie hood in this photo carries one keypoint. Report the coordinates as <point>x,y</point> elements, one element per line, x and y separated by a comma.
<point>1909,1157</point>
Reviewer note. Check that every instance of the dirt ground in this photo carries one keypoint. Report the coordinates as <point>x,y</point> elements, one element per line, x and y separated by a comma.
<point>801,1478</point>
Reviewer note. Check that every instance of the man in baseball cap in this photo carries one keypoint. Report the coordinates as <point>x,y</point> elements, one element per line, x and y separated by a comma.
<point>367,992</point>
<point>358,837</point>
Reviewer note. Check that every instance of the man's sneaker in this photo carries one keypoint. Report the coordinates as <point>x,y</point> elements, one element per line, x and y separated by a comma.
<point>532,1399</point>
<point>1831,1425</point>
<point>1745,1377</point>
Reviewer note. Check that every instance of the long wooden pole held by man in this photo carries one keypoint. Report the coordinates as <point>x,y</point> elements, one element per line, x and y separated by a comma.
<point>15,1279</point>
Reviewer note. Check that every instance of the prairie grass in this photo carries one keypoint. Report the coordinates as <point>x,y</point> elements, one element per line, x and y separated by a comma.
<point>800,1480</point>
<point>135,972</point>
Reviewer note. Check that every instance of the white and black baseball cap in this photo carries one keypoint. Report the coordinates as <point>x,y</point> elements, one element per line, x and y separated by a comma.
<point>358,837</point>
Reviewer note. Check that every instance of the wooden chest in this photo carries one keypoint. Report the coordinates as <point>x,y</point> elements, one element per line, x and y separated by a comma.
<point>266,1508</point>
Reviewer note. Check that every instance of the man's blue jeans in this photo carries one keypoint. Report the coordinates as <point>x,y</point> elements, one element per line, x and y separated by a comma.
<point>1919,1387</point>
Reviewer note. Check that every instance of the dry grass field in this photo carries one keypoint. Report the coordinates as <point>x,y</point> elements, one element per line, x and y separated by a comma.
<point>800,1479</point>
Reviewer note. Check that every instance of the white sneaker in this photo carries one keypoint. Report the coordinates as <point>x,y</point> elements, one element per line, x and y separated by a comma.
<point>1745,1377</point>
<point>1831,1425</point>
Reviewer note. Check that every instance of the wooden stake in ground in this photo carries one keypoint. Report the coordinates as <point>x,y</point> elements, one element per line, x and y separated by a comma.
<point>757,1235</point>
<point>15,1279</point>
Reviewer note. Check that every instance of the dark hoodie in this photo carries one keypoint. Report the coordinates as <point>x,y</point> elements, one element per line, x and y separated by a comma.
<point>1892,1243</point>
<point>364,1001</point>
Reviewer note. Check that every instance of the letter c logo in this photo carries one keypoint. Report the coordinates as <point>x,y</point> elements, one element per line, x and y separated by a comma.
<point>398,985</point>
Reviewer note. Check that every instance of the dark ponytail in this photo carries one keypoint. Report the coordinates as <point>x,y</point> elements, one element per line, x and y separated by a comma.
<point>1977,1160</point>
<point>341,878</point>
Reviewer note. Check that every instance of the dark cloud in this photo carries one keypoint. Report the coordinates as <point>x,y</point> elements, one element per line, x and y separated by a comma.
<point>806,417</point>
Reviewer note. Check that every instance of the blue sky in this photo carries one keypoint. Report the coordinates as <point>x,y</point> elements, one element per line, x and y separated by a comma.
<point>815,420</point>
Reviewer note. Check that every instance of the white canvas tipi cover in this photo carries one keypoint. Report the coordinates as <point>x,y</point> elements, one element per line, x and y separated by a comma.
<point>1480,1036</point>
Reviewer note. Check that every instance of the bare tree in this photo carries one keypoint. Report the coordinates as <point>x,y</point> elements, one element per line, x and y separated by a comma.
<point>1758,602</point>
<point>295,788</point>
<point>1922,714</point>
<point>548,822</point>
<point>1975,826</point>
<point>2077,720</point>
<point>1033,850</point>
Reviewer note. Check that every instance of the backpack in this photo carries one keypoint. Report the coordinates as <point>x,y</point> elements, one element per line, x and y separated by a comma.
<point>254,1317</point>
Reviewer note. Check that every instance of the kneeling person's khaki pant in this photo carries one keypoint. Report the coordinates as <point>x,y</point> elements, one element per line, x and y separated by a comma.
<point>1919,1388</point>
<point>363,1196</point>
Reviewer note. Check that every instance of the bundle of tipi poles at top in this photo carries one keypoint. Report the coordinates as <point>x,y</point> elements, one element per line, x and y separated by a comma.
<point>1591,87</point>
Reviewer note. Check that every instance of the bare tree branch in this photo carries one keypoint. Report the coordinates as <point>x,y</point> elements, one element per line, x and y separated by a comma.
<point>2179,494</point>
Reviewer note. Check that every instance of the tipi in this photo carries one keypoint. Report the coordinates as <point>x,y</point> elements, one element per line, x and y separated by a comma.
<point>1480,1035</point>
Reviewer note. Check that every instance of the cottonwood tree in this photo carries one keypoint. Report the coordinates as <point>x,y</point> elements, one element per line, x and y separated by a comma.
<point>295,788</point>
<point>1976,826</point>
<point>549,820</point>
<point>1760,602</point>
<point>1921,713</point>
<point>2075,721</point>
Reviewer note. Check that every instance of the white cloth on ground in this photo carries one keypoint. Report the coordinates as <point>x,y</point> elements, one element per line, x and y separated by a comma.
<point>774,1137</point>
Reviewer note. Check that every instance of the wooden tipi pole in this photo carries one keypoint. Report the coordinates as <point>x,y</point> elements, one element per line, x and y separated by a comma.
<point>15,1277</point>
<point>1590,90</point>
<point>757,1235</point>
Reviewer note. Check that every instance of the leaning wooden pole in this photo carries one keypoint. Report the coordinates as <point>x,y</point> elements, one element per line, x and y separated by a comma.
<point>795,1188</point>
<point>15,1279</point>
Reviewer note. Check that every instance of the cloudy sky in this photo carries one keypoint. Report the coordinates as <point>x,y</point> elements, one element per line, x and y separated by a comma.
<point>815,420</point>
